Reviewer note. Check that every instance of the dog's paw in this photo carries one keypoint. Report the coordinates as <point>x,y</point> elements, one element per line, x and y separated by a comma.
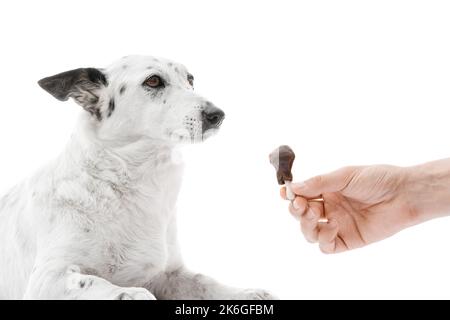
<point>134,294</point>
<point>253,294</point>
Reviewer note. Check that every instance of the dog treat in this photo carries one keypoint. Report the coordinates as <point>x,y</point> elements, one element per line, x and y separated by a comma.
<point>282,158</point>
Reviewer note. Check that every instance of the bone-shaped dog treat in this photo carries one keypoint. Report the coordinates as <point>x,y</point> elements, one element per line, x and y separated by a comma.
<point>282,158</point>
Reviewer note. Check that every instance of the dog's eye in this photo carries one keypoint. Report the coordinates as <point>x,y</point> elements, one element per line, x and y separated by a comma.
<point>190,79</point>
<point>154,82</point>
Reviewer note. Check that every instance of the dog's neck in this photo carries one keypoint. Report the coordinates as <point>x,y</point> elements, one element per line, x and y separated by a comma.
<point>122,162</point>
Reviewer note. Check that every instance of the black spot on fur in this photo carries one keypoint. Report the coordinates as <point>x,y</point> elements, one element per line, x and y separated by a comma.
<point>164,101</point>
<point>97,114</point>
<point>111,107</point>
<point>82,283</point>
<point>123,296</point>
<point>97,76</point>
<point>170,64</point>
<point>122,89</point>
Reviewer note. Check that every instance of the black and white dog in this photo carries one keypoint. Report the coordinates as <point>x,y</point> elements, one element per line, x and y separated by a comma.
<point>99,222</point>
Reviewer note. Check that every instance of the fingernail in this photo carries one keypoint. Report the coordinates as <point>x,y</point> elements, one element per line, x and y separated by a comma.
<point>295,205</point>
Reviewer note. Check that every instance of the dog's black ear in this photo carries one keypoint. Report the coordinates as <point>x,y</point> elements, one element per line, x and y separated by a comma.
<point>83,85</point>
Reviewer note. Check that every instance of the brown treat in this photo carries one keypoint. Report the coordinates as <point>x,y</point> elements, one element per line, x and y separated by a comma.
<point>282,159</point>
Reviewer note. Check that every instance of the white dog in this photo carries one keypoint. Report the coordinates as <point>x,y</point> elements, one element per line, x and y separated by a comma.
<point>99,222</point>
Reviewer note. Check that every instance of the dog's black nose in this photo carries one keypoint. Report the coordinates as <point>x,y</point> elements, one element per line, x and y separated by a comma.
<point>212,117</point>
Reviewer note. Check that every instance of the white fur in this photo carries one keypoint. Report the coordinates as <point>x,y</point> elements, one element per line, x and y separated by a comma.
<point>99,221</point>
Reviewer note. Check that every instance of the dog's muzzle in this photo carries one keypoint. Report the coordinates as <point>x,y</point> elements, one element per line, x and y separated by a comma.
<point>212,117</point>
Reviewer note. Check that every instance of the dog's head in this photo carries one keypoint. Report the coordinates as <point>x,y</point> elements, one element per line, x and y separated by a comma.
<point>139,96</point>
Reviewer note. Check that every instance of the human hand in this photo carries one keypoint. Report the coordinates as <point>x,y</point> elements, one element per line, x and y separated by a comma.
<point>362,204</point>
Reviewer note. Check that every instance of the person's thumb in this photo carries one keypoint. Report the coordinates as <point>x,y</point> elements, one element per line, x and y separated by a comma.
<point>331,182</point>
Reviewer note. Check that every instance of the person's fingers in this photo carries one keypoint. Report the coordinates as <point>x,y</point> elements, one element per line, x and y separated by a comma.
<point>309,223</point>
<point>331,182</point>
<point>327,236</point>
<point>298,207</point>
<point>317,207</point>
<point>283,193</point>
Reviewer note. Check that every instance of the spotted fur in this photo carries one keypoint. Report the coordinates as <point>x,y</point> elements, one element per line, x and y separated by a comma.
<point>99,222</point>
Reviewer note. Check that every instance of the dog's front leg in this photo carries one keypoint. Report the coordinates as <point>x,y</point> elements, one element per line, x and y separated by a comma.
<point>69,283</point>
<point>183,284</point>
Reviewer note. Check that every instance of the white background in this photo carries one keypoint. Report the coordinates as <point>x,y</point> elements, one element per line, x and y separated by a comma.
<point>342,82</point>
